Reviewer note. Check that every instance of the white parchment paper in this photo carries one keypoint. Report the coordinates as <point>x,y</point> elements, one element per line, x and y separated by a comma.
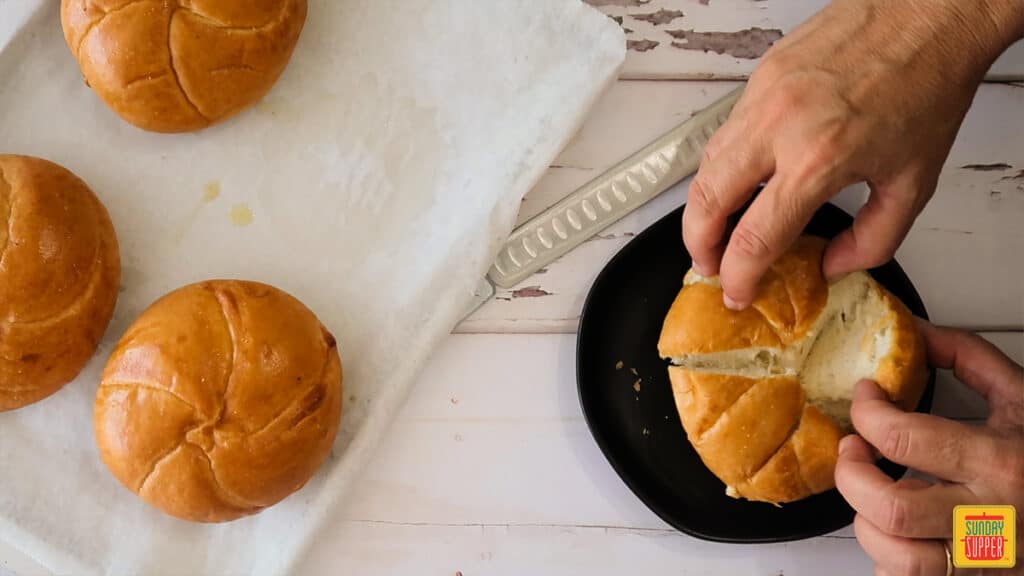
<point>375,183</point>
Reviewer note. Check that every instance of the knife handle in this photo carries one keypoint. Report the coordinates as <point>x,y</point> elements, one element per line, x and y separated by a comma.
<point>607,198</point>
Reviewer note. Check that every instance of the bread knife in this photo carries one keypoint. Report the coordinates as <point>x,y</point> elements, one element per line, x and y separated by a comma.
<point>604,200</point>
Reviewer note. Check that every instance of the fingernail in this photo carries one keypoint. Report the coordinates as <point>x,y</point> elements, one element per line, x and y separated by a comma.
<point>844,444</point>
<point>833,277</point>
<point>732,304</point>
<point>864,389</point>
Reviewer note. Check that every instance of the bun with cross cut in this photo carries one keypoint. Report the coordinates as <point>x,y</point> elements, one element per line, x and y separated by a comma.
<point>222,398</point>
<point>764,393</point>
<point>60,269</point>
<point>181,65</point>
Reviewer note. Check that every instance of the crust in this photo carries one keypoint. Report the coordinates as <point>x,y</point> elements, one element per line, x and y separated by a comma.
<point>186,65</point>
<point>700,305</point>
<point>222,399</point>
<point>816,445</point>
<point>903,373</point>
<point>750,429</point>
<point>790,297</point>
<point>702,398</point>
<point>758,434</point>
<point>60,270</point>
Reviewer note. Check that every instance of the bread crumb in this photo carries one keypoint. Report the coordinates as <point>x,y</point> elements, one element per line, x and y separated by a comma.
<point>646,432</point>
<point>455,400</point>
<point>618,365</point>
<point>633,370</point>
<point>636,385</point>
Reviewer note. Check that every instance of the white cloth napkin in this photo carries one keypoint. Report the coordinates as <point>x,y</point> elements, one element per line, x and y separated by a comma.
<point>381,174</point>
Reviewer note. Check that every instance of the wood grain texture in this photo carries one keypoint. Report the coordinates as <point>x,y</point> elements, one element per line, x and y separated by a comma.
<point>963,253</point>
<point>723,39</point>
<point>559,550</point>
<point>490,469</point>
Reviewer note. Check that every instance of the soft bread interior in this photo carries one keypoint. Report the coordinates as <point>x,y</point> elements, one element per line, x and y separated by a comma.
<point>848,348</point>
<point>846,343</point>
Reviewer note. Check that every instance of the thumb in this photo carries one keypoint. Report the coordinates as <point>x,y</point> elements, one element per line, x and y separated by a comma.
<point>854,448</point>
<point>877,231</point>
<point>868,390</point>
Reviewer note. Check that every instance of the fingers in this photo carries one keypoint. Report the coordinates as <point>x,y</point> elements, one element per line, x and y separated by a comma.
<point>897,556</point>
<point>776,217</point>
<point>913,483</point>
<point>878,229</point>
<point>909,509</point>
<point>934,445</point>
<point>732,169</point>
<point>980,365</point>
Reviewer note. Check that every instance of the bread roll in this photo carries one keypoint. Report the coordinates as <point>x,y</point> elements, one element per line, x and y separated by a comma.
<point>222,399</point>
<point>59,275</point>
<point>176,66</point>
<point>764,394</point>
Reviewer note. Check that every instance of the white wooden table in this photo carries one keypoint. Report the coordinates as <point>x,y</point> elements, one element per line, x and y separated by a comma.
<point>490,468</point>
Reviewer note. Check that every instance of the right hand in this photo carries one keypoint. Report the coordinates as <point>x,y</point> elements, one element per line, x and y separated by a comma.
<point>902,525</point>
<point>865,91</point>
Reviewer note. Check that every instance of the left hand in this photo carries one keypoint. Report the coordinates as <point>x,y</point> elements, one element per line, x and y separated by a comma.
<point>902,525</point>
<point>864,91</point>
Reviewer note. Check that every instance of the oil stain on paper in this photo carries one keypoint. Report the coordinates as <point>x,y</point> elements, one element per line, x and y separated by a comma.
<point>241,215</point>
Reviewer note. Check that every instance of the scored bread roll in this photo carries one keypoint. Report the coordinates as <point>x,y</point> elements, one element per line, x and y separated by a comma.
<point>764,393</point>
<point>222,398</point>
<point>60,270</point>
<point>180,66</point>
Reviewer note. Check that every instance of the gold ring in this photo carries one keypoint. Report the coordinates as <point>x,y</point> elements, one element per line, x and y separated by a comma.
<point>949,558</point>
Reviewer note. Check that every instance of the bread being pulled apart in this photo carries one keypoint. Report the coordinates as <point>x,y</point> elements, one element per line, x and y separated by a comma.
<point>764,393</point>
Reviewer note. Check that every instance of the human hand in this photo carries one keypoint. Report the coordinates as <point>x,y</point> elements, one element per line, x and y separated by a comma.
<point>865,91</point>
<point>903,525</point>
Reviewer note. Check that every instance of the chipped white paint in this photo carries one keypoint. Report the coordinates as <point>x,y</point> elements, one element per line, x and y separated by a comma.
<point>963,253</point>
<point>743,26</point>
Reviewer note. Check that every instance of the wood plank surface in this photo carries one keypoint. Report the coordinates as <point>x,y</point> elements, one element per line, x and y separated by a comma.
<point>490,469</point>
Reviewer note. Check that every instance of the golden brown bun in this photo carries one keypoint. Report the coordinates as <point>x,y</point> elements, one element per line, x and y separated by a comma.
<point>222,398</point>
<point>790,297</point>
<point>60,270</point>
<point>176,66</point>
<point>743,430</point>
<point>764,393</point>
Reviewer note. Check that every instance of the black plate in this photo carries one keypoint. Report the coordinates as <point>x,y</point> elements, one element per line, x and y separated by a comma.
<point>640,433</point>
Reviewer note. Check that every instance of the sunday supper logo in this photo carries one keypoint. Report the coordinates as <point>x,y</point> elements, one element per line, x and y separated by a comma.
<point>984,536</point>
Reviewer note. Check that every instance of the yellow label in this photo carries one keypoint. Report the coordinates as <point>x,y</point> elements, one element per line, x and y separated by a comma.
<point>984,536</point>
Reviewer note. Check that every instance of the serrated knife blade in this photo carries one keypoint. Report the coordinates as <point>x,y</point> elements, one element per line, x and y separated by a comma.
<point>604,200</point>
